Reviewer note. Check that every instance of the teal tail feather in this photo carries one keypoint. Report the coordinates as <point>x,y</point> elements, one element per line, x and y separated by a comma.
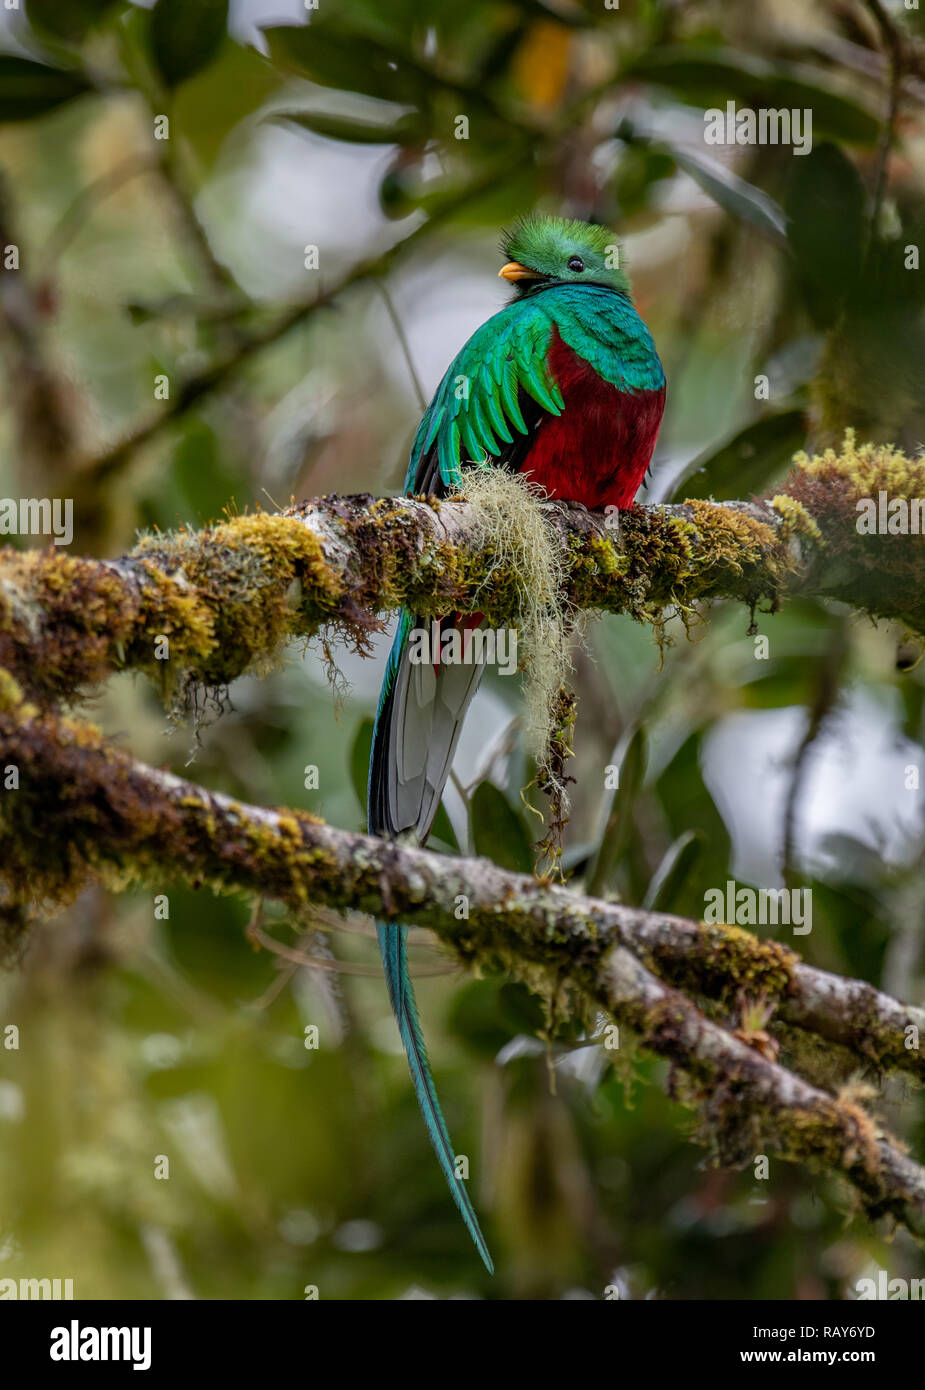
<point>417,724</point>
<point>392,945</point>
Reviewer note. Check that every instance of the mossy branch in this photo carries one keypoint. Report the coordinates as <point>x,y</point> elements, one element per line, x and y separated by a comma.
<point>198,608</point>
<point>86,809</point>
<point>226,597</point>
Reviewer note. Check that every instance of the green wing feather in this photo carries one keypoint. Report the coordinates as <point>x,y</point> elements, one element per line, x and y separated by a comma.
<point>475,410</point>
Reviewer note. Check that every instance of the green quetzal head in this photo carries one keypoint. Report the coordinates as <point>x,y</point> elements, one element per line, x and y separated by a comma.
<point>544,251</point>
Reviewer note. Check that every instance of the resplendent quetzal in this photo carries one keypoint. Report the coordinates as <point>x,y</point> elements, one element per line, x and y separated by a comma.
<point>563,385</point>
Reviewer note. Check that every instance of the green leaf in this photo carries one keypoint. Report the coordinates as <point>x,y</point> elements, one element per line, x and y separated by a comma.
<point>207,479</point>
<point>673,872</point>
<point>393,23</point>
<point>522,1011</point>
<point>713,76</point>
<point>734,195</point>
<point>186,36</point>
<point>499,831</point>
<point>730,192</point>
<point>747,461</point>
<point>828,228</point>
<point>688,805</point>
<point>499,198</point>
<point>442,828</point>
<point>354,132</point>
<point>487,1014</point>
<point>475,1016</point>
<point>28,89</point>
<point>227,91</point>
<point>570,18</point>
<point>66,19</point>
<point>912,694</point>
<point>334,56</point>
<point>619,824</point>
<point>640,166</point>
<point>359,760</point>
<point>790,679</point>
<point>852,922</point>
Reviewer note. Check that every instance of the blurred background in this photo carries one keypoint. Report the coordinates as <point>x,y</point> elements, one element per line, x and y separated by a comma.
<point>780,294</point>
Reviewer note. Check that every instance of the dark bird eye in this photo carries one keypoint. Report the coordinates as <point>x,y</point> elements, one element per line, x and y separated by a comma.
<point>576,263</point>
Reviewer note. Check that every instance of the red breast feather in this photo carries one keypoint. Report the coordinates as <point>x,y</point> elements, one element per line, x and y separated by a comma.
<point>597,451</point>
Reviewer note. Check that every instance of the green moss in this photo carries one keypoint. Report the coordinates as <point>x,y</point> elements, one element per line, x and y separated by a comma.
<point>11,694</point>
<point>828,487</point>
<point>728,961</point>
<point>796,519</point>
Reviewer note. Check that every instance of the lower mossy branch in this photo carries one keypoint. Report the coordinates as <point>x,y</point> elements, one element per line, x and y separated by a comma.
<point>85,809</point>
<point>749,1104</point>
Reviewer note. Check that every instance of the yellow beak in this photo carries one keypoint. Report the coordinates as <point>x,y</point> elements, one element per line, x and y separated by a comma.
<point>515,271</point>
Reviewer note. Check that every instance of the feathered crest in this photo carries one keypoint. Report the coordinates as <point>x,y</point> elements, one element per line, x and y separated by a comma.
<point>540,229</point>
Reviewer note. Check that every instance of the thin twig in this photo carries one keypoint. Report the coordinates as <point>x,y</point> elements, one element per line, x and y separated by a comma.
<point>893,40</point>
<point>73,218</point>
<point>403,342</point>
<point>828,684</point>
<point>333,966</point>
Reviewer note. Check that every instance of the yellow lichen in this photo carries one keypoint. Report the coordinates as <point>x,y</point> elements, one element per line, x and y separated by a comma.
<point>796,519</point>
<point>867,468</point>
